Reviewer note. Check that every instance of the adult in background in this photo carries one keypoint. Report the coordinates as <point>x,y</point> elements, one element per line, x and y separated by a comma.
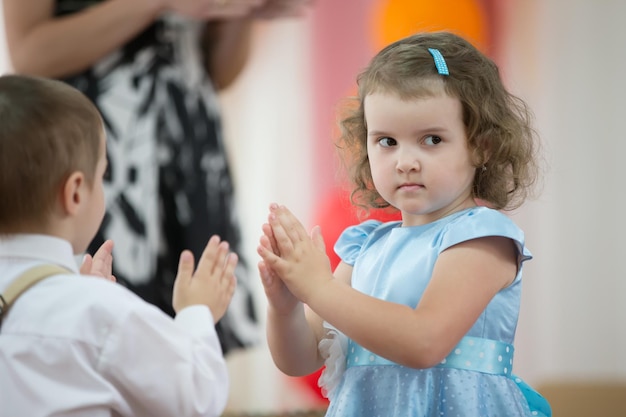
<point>154,68</point>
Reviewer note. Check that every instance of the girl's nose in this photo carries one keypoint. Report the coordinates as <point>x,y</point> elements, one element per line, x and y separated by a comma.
<point>408,161</point>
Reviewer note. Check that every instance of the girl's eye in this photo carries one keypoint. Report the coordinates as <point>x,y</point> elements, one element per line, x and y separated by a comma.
<point>386,142</point>
<point>432,140</point>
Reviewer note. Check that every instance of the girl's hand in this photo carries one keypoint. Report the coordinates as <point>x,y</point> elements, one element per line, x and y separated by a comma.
<point>278,295</point>
<point>213,282</point>
<point>101,263</point>
<point>298,259</point>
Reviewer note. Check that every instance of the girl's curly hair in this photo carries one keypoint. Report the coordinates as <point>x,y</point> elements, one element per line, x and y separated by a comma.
<point>497,123</point>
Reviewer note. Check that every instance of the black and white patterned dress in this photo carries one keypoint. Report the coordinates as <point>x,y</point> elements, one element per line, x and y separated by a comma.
<point>168,186</point>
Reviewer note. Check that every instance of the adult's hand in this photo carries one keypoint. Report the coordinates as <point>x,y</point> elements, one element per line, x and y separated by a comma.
<point>214,9</point>
<point>273,9</point>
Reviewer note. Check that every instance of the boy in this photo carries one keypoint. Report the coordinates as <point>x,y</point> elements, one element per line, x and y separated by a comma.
<point>75,344</point>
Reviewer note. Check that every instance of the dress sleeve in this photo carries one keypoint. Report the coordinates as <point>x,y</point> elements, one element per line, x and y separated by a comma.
<point>484,222</point>
<point>351,240</point>
<point>166,367</point>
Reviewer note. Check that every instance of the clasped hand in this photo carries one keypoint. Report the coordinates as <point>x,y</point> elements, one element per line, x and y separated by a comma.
<point>294,264</point>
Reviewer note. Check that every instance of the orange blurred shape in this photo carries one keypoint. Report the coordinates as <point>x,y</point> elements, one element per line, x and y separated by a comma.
<point>397,19</point>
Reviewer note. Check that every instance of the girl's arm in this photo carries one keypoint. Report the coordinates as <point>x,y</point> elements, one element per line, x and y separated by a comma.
<point>44,45</point>
<point>293,330</point>
<point>465,279</point>
<point>293,338</point>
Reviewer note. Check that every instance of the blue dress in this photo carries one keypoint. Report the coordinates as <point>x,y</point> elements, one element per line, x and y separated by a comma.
<point>475,379</point>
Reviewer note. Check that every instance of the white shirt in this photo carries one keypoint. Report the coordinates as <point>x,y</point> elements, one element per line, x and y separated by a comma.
<point>83,346</point>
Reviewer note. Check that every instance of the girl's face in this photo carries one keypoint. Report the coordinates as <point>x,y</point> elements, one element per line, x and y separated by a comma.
<point>418,155</point>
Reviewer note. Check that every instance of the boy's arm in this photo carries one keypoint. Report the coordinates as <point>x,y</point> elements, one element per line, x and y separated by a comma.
<point>163,367</point>
<point>176,368</point>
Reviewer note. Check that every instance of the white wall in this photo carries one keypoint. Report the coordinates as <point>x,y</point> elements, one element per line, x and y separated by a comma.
<point>267,116</point>
<point>567,58</point>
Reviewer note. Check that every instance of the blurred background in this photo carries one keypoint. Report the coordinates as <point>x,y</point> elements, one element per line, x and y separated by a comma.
<point>566,58</point>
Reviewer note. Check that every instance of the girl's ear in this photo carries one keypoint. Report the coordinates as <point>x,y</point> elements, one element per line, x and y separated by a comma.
<point>73,193</point>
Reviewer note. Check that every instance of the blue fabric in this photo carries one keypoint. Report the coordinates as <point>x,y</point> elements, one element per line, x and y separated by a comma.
<point>481,355</point>
<point>372,385</point>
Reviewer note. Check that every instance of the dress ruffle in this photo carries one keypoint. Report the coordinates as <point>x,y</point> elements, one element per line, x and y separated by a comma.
<point>333,348</point>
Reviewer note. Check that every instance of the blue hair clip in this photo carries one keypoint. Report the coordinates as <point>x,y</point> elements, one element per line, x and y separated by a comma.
<point>440,62</point>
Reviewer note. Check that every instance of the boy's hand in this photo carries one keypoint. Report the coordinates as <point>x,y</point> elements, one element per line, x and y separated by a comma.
<point>101,263</point>
<point>213,282</point>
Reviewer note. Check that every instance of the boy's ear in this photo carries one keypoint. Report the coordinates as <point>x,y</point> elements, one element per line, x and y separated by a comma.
<point>72,195</point>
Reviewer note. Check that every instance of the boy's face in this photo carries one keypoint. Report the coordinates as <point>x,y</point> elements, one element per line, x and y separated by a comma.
<point>94,204</point>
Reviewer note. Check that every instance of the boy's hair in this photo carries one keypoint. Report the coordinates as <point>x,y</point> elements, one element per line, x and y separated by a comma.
<point>497,123</point>
<point>48,130</point>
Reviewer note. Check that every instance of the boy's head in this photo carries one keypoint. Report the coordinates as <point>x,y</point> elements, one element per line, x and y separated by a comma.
<point>51,151</point>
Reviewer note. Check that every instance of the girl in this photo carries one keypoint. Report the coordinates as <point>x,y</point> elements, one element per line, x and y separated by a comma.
<point>420,316</point>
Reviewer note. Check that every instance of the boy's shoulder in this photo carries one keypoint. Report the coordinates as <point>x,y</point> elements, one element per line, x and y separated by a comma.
<point>74,306</point>
<point>88,292</point>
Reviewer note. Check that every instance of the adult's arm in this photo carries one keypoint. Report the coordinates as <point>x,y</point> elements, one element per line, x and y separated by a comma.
<point>226,43</point>
<point>226,46</point>
<point>41,44</point>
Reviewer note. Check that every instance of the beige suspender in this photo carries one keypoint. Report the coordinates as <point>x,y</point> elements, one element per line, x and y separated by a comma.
<point>24,282</point>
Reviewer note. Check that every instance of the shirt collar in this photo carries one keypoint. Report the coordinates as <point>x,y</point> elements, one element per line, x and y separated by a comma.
<point>39,248</point>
